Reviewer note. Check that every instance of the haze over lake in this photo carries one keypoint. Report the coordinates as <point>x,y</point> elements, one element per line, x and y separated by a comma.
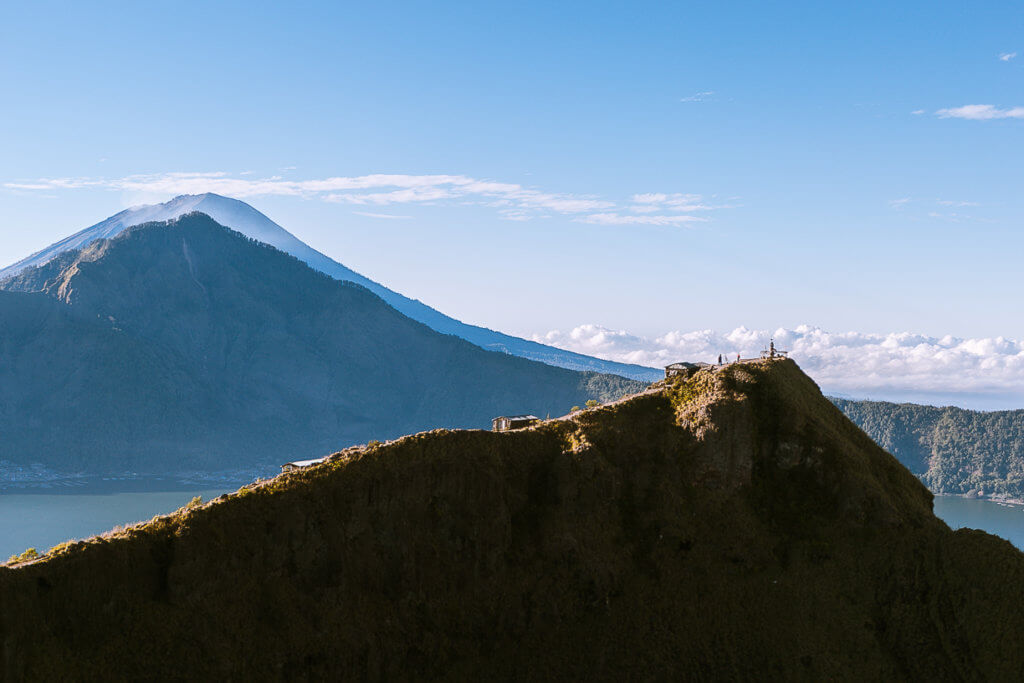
<point>42,520</point>
<point>996,518</point>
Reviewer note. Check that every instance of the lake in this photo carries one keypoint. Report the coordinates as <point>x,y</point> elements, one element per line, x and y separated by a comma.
<point>999,519</point>
<point>42,520</point>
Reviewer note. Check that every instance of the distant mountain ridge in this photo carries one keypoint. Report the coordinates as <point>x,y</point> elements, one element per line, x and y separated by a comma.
<point>187,345</point>
<point>242,217</point>
<point>951,449</point>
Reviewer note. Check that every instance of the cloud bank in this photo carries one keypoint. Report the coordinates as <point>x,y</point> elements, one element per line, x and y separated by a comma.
<point>511,200</point>
<point>983,373</point>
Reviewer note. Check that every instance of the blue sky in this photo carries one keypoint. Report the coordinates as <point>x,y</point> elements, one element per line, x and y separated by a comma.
<point>644,167</point>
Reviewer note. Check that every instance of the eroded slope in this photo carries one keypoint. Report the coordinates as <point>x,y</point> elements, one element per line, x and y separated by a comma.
<point>734,525</point>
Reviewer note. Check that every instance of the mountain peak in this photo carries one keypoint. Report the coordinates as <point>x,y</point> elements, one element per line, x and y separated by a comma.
<point>182,198</point>
<point>229,212</point>
<point>243,218</point>
<point>234,354</point>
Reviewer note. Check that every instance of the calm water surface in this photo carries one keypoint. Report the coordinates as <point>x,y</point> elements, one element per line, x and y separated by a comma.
<point>42,520</point>
<point>995,518</point>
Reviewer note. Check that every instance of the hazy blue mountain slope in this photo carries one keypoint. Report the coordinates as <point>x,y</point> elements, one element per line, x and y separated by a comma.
<point>257,357</point>
<point>74,385</point>
<point>247,220</point>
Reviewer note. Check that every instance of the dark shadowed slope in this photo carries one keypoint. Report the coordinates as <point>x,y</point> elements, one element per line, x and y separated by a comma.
<point>244,218</point>
<point>731,527</point>
<point>186,345</point>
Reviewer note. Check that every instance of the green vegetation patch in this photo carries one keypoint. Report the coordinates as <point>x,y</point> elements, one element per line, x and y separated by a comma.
<point>953,450</point>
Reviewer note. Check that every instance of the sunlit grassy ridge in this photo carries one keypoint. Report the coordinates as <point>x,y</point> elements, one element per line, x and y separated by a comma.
<point>730,525</point>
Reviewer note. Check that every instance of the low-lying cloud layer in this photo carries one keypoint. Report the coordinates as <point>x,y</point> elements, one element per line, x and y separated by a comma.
<point>511,200</point>
<point>980,373</point>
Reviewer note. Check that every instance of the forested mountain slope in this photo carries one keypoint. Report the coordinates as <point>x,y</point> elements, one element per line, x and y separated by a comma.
<point>187,345</point>
<point>953,450</point>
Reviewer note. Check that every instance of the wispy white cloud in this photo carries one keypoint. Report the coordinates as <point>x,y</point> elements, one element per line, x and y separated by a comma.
<point>936,208</point>
<point>981,112</point>
<point>381,215</point>
<point>918,112</point>
<point>703,96</point>
<point>854,363</point>
<point>1007,56</point>
<point>409,195</point>
<point>512,201</point>
<point>626,219</point>
<point>675,202</point>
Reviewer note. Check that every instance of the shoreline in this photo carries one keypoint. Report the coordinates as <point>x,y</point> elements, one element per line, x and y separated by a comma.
<point>1009,502</point>
<point>122,484</point>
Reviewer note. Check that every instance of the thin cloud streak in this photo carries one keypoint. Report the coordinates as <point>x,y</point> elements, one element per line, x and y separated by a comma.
<point>698,97</point>
<point>390,216</point>
<point>511,200</point>
<point>981,112</point>
<point>935,208</point>
<point>620,219</point>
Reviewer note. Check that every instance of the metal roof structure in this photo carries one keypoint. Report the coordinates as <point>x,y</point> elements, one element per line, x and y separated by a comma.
<point>299,464</point>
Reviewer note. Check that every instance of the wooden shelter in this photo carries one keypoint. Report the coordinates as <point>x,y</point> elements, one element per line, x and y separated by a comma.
<point>507,423</point>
